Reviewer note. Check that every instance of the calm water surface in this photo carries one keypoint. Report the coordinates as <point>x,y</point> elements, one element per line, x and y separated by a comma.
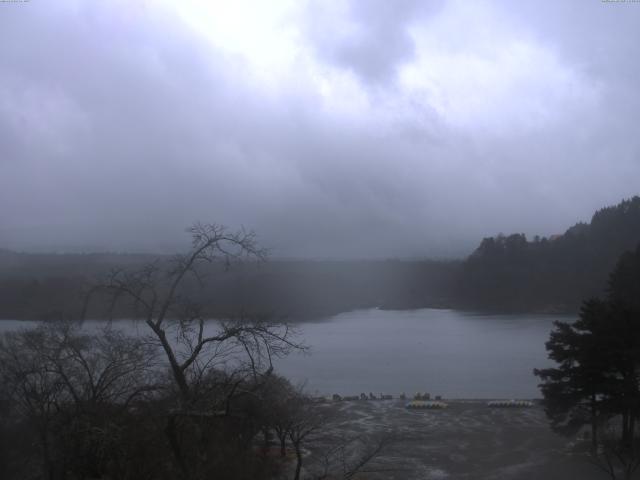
<point>444,352</point>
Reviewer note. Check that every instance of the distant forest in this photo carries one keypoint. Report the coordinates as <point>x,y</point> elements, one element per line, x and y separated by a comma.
<point>506,273</point>
<point>51,286</point>
<point>549,274</point>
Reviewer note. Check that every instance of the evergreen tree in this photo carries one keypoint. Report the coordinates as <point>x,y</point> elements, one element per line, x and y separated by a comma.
<point>573,391</point>
<point>598,373</point>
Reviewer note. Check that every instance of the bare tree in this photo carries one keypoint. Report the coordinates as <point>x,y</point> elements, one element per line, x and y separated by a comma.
<point>59,381</point>
<point>615,457</point>
<point>347,457</point>
<point>178,322</point>
<point>196,349</point>
<point>34,393</point>
<point>309,427</point>
<point>305,420</point>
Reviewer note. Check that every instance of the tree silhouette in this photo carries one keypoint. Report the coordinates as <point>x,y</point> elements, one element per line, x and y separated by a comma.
<point>597,379</point>
<point>196,349</point>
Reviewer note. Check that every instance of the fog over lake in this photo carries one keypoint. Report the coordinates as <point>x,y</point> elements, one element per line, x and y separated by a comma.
<point>444,352</point>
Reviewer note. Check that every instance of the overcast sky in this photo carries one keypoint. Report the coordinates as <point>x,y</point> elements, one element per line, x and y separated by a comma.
<point>362,128</point>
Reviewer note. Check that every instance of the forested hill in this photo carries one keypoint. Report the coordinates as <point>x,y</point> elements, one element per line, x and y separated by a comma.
<point>549,274</point>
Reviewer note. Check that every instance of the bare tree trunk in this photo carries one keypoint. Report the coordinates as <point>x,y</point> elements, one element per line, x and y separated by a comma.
<point>594,424</point>
<point>283,446</point>
<point>625,428</point>
<point>178,373</point>
<point>47,467</point>
<point>298,461</point>
<point>265,441</point>
<point>282,437</point>
<point>48,470</point>
<point>172,436</point>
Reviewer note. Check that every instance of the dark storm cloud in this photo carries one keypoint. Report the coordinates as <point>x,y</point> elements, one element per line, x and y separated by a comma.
<point>398,131</point>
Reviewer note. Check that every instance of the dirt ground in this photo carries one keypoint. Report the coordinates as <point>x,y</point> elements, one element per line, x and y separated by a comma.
<point>468,440</point>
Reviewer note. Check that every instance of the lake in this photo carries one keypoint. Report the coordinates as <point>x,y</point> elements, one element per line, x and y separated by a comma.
<point>444,352</point>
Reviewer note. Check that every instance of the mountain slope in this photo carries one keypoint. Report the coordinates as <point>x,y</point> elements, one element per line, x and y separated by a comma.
<point>549,274</point>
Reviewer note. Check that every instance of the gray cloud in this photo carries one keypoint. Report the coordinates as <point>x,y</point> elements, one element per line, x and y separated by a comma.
<point>418,134</point>
<point>370,38</point>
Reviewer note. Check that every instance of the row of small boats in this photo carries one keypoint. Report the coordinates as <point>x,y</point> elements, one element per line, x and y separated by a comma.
<point>437,405</point>
<point>425,405</point>
<point>510,404</point>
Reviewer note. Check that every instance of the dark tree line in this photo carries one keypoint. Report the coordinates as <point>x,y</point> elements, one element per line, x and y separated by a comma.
<point>549,274</point>
<point>49,287</point>
<point>597,380</point>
